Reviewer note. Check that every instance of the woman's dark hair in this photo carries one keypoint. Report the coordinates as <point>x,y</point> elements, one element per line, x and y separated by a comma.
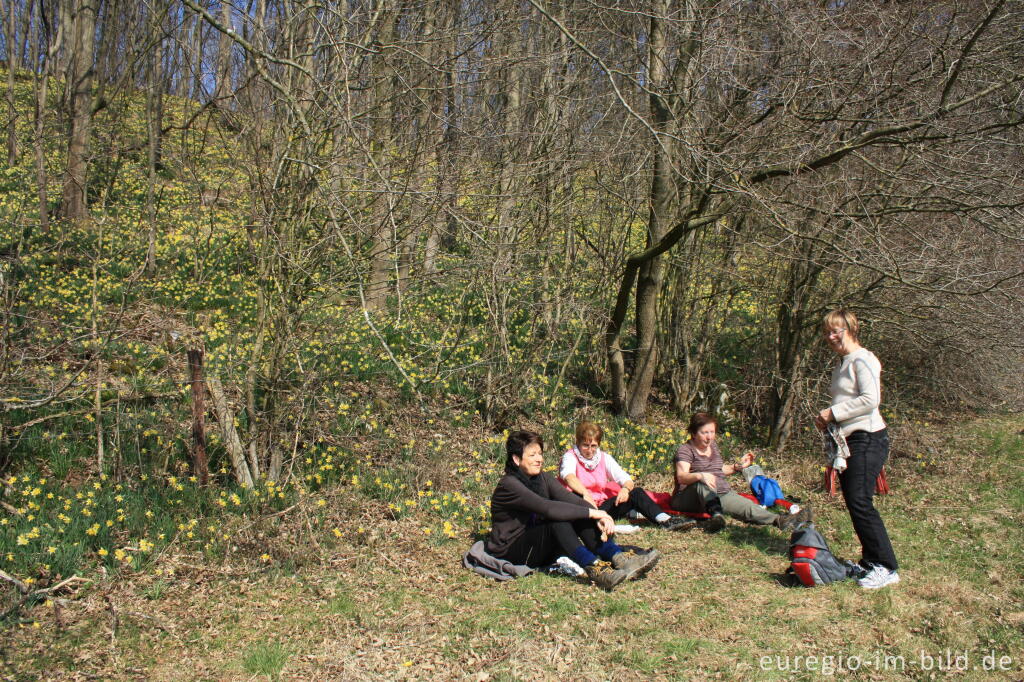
<point>516,443</point>
<point>699,420</point>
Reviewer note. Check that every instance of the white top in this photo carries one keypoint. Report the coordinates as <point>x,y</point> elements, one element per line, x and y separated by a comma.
<point>615,472</point>
<point>857,392</point>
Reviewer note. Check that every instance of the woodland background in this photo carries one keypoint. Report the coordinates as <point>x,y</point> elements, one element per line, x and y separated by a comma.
<point>256,254</point>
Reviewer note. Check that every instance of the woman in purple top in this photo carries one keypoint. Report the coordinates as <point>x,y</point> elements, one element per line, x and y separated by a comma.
<point>701,486</point>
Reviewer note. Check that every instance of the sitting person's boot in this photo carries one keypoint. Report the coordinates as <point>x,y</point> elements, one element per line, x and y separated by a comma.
<point>680,523</point>
<point>717,520</point>
<point>637,563</point>
<point>805,515</point>
<point>790,522</point>
<point>715,523</point>
<point>605,576</point>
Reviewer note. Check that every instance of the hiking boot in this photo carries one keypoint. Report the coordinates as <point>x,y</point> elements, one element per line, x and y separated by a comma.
<point>714,524</point>
<point>602,574</point>
<point>637,563</point>
<point>680,523</point>
<point>879,576</point>
<point>788,522</point>
<point>805,515</point>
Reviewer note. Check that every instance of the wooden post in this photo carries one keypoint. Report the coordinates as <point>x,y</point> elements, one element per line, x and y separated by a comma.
<point>199,465</point>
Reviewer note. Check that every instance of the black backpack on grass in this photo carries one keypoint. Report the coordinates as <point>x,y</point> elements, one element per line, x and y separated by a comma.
<point>812,562</point>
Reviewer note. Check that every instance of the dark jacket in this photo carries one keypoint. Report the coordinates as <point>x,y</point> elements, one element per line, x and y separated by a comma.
<point>514,508</point>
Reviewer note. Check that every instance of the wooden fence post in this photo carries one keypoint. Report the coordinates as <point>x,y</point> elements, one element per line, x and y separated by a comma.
<point>199,464</point>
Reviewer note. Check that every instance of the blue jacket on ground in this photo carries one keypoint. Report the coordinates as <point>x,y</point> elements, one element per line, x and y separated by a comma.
<point>766,489</point>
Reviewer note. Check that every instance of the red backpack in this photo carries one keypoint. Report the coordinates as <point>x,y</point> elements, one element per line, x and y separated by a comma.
<point>812,562</point>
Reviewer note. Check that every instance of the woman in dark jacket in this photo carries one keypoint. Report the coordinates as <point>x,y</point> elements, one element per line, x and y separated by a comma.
<point>534,520</point>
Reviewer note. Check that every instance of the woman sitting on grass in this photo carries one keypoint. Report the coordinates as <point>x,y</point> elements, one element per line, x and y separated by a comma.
<point>701,485</point>
<point>594,475</point>
<point>534,520</point>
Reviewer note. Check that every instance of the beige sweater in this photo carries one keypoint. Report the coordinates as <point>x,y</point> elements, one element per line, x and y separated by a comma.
<point>856,392</point>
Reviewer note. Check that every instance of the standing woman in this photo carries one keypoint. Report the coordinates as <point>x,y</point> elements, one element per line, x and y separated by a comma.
<point>856,392</point>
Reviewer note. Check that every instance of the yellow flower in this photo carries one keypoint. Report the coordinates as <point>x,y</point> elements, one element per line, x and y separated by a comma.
<point>103,552</point>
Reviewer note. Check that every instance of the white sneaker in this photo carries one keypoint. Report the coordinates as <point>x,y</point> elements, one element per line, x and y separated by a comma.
<point>879,576</point>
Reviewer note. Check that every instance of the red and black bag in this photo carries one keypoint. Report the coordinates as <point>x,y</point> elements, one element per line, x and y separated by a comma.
<point>812,562</point>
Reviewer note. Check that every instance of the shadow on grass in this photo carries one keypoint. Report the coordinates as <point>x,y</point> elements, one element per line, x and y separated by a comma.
<point>761,538</point>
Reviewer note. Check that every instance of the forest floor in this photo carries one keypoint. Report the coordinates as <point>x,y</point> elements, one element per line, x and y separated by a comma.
<point>389,602</point>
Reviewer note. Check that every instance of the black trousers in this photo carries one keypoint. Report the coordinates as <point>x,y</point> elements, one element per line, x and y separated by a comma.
<point>638,500</point>
<point>868,454</point>
<point>540,545</point>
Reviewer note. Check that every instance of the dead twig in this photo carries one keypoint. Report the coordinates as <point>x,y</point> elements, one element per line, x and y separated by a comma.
<point>114,623</point>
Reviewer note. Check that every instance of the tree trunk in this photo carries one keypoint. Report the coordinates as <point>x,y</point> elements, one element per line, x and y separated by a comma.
<point>662,196</point>
<point>41,83</point>
<point>79,83</point>
<point>154,125</point>
<point>13,63</point>
<point>222,89</point>
<point>794,329</point>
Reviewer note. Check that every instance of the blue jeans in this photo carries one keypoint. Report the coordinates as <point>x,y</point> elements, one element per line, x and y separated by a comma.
<point>868,454</point>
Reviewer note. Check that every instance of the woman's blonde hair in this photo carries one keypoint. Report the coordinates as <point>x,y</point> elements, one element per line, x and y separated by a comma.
<point>844,319</point>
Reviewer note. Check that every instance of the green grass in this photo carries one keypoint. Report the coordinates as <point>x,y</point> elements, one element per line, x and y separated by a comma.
<point>266,658</point>
<point>711,608</point>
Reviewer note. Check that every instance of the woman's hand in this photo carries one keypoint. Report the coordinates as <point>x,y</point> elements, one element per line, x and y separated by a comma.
<point>746,460</point>
<point>622,497</point>
<point>709,480</point>
<point>823,419</point>
<point>605,523</point>
<point>588,498</point>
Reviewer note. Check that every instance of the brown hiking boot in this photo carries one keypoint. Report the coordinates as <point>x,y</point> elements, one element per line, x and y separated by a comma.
<point>714,524</point>
<point>605,576</point>
<point>637,562</point>
<point>790,522</point>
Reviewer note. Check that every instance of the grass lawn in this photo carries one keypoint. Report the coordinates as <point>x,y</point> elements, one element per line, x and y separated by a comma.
<point>396,604</point>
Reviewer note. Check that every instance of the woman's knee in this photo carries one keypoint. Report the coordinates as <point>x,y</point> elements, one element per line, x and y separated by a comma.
<point>637,495</point>
<point>859,502</point>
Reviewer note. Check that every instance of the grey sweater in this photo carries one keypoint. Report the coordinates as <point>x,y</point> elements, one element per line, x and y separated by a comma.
<point>857,392</point>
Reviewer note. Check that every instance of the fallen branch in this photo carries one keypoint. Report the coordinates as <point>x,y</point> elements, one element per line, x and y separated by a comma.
<point>19,585</point>
<point>29,594</point>
<point>229,435</point>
